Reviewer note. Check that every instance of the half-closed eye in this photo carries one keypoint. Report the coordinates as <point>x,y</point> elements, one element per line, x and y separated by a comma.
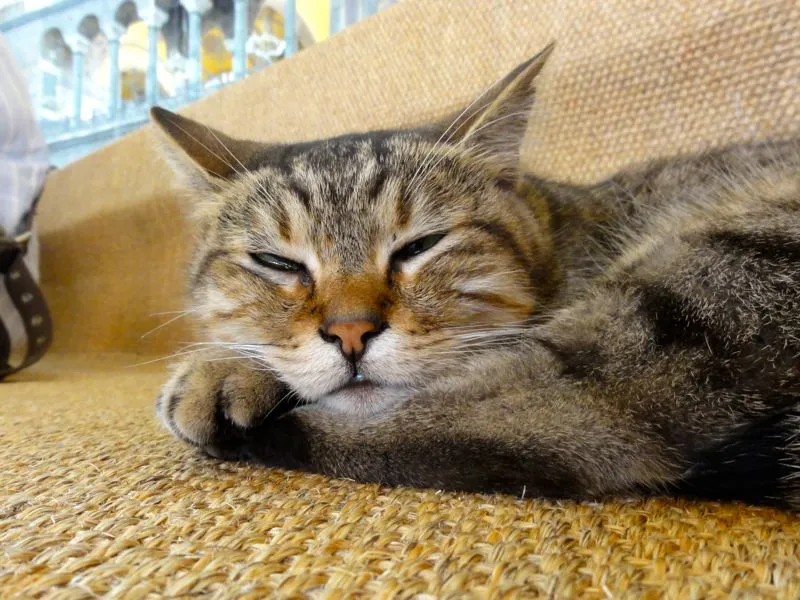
<point>277,263</point>
<point>417,247</point>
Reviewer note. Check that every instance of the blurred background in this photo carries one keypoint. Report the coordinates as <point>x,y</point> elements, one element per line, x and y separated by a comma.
<point>94,67</point>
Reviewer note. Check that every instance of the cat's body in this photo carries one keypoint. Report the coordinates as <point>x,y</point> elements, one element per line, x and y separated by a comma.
<point>636,336</point>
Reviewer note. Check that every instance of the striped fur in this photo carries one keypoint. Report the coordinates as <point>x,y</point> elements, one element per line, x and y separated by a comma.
<point>637,336</point>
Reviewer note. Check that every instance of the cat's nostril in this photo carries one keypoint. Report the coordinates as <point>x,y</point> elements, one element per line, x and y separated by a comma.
<point>374,333</point>
<point>331,339</point>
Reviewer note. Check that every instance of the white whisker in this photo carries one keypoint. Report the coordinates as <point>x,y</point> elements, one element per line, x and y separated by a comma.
<point>228,150</point>
<point>168,357</point>
<point>214,154</point>
<point>167,322</point>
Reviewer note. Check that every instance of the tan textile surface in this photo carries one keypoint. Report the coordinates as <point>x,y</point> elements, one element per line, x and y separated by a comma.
<point>96,499</point>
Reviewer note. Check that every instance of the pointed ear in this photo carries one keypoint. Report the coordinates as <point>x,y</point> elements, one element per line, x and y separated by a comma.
<point>494,125</point>
<point>201,157</point>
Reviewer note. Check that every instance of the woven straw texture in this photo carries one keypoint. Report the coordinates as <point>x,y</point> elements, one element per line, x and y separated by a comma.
<point>96,500</point>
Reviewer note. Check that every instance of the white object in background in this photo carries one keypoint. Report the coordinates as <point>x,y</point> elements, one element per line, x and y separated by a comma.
<point>24,162</point>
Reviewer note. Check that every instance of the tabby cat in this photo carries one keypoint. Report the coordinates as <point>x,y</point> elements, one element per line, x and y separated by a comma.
<point>408,307</point>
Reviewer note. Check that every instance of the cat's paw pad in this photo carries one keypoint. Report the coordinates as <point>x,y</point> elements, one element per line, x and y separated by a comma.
<point>212,407</point>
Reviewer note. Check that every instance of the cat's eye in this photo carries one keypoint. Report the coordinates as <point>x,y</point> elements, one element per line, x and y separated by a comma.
<point>278,263</point>
<point>416,247</point>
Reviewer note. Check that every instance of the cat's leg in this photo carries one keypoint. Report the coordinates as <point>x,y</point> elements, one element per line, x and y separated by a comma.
<point>211,399</point>
<point>539,425</point>
<point>494,431</point>
<point>519,422</point>
<point>679,371</point>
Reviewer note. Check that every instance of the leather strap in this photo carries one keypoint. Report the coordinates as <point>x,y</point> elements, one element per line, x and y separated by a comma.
<point>29,302</point>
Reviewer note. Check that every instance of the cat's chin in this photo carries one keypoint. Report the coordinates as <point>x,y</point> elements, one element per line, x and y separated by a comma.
<point>364,399</point>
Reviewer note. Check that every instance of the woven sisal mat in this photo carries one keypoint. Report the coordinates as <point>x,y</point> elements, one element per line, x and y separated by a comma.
<point>95,499</point>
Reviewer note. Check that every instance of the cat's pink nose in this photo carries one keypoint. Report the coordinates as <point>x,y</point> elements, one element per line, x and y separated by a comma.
<point>352,336</point>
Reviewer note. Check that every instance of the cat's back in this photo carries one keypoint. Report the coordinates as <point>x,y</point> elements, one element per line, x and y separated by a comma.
<point>721,184</point>
<point>728,201</point>
<point>651,211</point>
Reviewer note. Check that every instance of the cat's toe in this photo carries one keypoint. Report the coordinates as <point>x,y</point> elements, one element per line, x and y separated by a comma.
<point>228,439</point>
<point>184,411</point>
<point>246,402</point>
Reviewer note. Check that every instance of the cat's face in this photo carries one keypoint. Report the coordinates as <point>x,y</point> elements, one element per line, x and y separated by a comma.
<point>360,268</point>
<point>358,230</point>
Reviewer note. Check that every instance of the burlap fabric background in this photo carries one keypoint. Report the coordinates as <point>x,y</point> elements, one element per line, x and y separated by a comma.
<point>95,499</point>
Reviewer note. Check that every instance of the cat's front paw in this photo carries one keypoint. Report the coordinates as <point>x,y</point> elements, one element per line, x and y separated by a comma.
<point>212,404</point>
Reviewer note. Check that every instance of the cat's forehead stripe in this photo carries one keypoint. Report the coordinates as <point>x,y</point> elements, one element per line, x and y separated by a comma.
<point>339,197</point>
<point>301,192</point>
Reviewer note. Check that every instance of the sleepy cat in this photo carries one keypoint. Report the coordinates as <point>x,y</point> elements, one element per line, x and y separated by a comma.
<point>408,307</point>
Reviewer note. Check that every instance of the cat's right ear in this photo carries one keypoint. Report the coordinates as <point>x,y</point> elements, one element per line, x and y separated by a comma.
<point>202,158</point>
<point>493,126</point>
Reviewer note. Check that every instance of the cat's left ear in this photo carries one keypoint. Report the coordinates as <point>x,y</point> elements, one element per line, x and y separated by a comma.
<point>201,157</point>
<point>494,125</point>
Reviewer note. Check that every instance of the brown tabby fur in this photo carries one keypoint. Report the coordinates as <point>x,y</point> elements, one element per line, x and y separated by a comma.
<point>640,335</point>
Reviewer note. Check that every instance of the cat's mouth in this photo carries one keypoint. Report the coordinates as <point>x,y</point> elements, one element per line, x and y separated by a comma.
<point>357,382</point>
<point>361,396</point>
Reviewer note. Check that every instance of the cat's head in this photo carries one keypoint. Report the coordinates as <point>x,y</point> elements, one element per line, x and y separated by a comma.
<point>360,267</point>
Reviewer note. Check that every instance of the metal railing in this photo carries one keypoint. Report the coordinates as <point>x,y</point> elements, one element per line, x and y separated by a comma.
<point>81,117</point>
